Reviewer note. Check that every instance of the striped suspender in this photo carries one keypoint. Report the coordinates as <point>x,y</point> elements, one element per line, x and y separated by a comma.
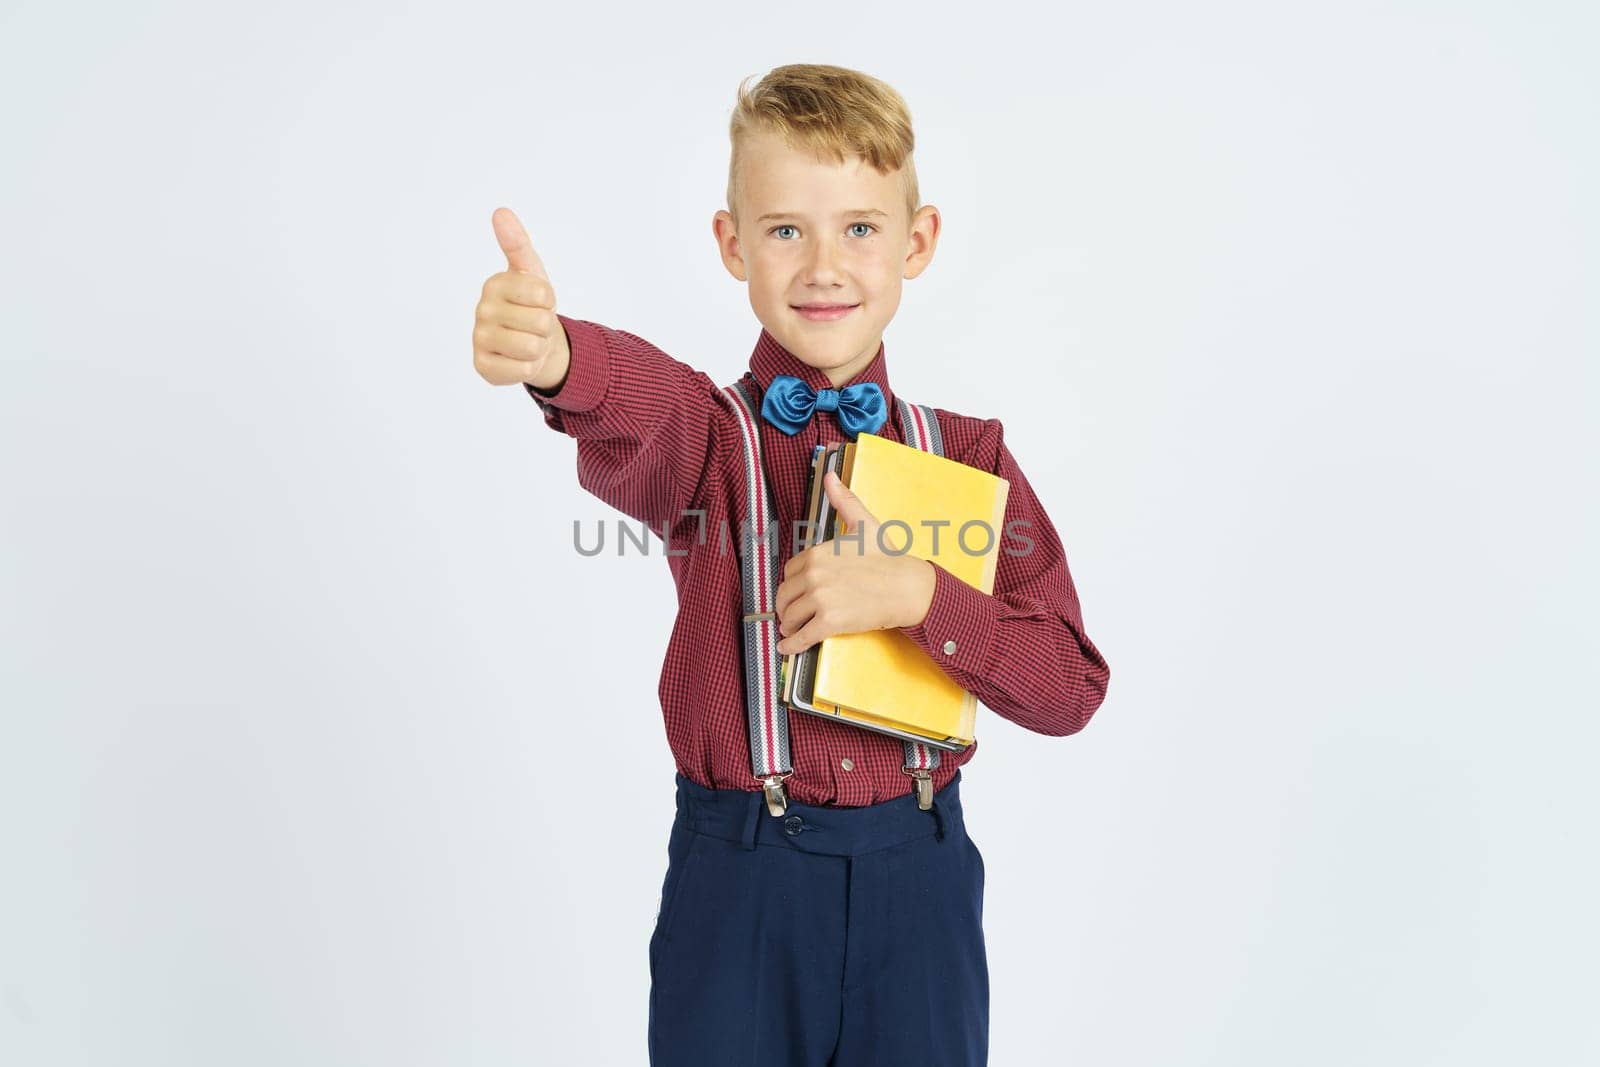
<point>766,715</point>
<point>922,431</point>
<point>758,569</point>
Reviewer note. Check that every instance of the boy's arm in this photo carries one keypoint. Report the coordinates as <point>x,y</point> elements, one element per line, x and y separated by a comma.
<point>647,425</point>
<point>1023,650</point>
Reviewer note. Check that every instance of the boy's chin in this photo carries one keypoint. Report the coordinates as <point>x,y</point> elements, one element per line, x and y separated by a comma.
<point>817,348</point>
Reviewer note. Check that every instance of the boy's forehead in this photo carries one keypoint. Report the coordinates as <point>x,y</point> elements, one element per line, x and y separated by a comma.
<point>779,177</point>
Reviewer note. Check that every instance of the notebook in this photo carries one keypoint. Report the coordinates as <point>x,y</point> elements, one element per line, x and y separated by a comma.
<point>879,679</point>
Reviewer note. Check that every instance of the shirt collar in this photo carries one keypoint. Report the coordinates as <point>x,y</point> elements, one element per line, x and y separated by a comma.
<point>771,359</point>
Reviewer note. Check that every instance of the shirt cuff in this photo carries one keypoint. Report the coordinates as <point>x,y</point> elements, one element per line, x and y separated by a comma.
<point>587,373</point>
<point>958,631</point>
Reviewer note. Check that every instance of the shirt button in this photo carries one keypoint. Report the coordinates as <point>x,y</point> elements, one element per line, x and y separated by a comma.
<point>793,825</point>
<point>949,648</point>
<point>846,764</point>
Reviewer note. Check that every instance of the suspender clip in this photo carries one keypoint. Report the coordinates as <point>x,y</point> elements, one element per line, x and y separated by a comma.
<point>772,785</point>
<point>924,782</point>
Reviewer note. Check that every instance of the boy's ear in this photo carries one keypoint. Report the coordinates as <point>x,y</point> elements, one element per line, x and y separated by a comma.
<point>728,244</point>
<point>921,241</point>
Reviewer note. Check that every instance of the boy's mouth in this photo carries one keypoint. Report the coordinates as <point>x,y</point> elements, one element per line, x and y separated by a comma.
<point>824,312</point>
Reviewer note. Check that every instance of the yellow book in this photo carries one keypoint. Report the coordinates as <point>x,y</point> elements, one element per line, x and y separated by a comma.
<point>880,679</point>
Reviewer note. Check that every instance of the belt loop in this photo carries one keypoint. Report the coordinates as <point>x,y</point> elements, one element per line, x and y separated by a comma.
<point>757,801</point>
<point>938,819</point>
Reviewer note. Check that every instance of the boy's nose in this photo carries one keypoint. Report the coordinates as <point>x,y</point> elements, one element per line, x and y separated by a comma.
<point>823,262</point>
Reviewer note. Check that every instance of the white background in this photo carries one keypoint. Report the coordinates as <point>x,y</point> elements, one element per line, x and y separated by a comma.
<point>1289,311</point>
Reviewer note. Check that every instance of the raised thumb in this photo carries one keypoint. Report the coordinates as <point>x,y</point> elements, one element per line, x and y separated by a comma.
<point>514,242</point>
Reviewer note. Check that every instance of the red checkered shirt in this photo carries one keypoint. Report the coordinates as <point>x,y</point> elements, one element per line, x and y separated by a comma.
<point>656,442</point>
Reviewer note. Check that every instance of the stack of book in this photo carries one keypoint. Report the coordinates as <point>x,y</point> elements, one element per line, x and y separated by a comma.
<point>879,679</point>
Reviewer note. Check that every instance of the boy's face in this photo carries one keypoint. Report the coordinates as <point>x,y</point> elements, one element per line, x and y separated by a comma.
<point>814,232</point>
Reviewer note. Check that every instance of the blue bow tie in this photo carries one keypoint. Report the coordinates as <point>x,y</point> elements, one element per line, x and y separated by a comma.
<point>789,404</point>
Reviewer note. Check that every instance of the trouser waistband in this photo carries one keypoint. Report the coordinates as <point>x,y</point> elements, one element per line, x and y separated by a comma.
<point>741,815</point>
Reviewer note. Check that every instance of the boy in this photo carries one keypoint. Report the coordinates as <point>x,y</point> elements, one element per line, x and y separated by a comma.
<point>840,921</point>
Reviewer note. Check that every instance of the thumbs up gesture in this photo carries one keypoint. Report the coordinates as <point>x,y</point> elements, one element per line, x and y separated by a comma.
<point>850,584</point>
<point>516,336</point>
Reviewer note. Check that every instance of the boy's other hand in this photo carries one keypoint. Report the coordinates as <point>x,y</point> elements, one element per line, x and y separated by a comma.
<point>516,337</point>
<point>850,586</point>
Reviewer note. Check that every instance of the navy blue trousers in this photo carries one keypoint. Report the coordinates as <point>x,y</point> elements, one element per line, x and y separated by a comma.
<point>825,937</point>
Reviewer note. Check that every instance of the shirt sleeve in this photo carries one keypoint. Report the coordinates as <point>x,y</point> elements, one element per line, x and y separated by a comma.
<point>1022,651</point>
<point>647,425</point>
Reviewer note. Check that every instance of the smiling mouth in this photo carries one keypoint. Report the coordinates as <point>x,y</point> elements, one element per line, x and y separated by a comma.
<point>825,313</point>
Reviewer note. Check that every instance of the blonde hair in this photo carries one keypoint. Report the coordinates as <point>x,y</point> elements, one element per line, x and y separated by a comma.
<point>833,112</point>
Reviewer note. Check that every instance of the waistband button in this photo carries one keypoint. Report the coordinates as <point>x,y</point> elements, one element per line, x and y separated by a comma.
<point>793,825</point>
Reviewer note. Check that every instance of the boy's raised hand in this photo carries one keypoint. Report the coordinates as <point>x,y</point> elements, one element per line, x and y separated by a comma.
<point>516,336</point>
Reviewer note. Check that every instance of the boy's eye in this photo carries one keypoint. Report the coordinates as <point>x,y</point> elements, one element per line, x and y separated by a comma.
<point>853,225</point>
